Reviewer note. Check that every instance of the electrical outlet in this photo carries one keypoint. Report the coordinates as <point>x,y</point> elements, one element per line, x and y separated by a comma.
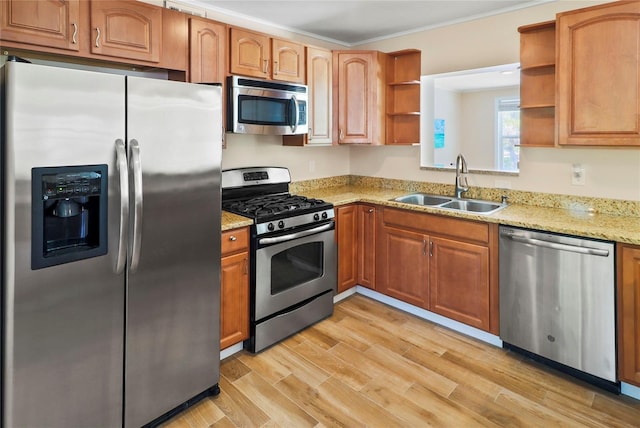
<point>578,175</point>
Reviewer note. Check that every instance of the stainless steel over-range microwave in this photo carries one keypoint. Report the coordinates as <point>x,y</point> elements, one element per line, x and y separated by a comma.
<point>266,107</point>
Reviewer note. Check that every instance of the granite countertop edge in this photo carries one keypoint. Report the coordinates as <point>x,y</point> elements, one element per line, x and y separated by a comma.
<point>618,228</point>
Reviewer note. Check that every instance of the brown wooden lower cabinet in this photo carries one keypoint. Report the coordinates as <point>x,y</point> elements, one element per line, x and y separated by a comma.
<point>367,245</point>
<point>347,239</point>
<point>628,291</point>
<point>403,266</point>
<point>234,290</point>
<point>356,237</point>
<point>459,281</point>
<point>442,264</point>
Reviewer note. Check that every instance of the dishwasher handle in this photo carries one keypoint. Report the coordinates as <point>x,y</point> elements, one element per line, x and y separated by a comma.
<point>557,245</point>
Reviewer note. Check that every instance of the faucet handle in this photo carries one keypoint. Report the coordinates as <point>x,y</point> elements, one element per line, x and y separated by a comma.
<point>504,199</point>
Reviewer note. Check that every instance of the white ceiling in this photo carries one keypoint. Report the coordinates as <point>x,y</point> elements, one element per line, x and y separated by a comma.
<point>353,22</point>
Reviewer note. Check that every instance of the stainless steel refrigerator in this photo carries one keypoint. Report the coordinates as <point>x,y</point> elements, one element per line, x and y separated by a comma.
<point>110,246</point>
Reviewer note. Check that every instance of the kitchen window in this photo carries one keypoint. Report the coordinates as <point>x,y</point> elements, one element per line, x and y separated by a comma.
<point>507,114</point>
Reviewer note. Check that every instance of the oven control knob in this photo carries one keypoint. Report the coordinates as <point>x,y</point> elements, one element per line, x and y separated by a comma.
<point>270,226</point>
<point>281,224</point>
<point>316,216</point>
<point>325,215</point>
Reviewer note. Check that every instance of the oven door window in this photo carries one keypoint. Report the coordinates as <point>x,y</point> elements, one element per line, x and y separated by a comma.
<point>297,265</point>
<point>265,111</point>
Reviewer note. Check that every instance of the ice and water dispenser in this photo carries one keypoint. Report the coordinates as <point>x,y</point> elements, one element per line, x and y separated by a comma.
<point>69,214</point>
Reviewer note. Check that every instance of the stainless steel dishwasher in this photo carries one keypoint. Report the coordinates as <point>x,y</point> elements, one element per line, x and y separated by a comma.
<point>557,301</point>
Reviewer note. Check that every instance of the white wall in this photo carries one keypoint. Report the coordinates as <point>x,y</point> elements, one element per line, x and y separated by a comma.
<point>610,173</point>
<point>479,125</point>
<point>448,105</point>
<point>304,163</point>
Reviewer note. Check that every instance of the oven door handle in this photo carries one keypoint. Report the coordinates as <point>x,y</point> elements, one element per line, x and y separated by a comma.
<point>291,236</point>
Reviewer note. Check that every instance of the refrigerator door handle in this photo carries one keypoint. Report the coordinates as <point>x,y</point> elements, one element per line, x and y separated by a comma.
<point>121,165</point>
<point>136,172</point>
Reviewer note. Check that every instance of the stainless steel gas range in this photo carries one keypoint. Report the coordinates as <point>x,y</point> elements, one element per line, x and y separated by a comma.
<point>293,253</point>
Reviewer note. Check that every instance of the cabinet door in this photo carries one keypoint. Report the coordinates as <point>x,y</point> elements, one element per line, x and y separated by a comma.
<point>126,29</point>
<point>250,53</point>
<point>402,266</point>
<point>629,314</point>
<point>234,300</point>
<point>367,246</point>
<point>347,234</point>
<point>356,79</point>
<point>288,61</point>
<point>459,281</point>
<point>207,40</point>
<point>50,23</point>
<point>319,80</point>
<point>599,75</point>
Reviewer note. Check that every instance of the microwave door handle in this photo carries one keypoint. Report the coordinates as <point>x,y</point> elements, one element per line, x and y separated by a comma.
<point>294,124</point>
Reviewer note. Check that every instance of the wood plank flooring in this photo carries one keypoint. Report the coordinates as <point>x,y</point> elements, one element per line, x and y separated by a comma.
<point>376,366</point>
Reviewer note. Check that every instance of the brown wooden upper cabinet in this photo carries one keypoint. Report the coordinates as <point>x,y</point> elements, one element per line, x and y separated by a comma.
<point>49,23</point>
<point>207,51</point>
<point>320,117</point>
<point>126,29</point>
<point>598,75</point>
<point>258,55</point>
<point>359,96</point>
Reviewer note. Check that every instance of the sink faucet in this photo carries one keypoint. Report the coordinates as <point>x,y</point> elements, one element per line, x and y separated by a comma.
<point>461,176</point>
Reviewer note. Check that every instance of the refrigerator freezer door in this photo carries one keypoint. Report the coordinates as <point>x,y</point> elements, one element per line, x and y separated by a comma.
<point>63,325</point>
<point>172,327</point>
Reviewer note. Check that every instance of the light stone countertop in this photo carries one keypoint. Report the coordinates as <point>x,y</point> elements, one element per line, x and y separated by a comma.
<point>619,228</point>
<point>234,221</point>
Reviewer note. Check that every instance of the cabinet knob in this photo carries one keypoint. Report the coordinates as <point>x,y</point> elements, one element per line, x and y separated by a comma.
<point>233,238</point>
<point>370,210</point>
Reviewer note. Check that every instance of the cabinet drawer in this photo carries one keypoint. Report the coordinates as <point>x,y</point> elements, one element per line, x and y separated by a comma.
<point>466,230</point>
<point>235,240</point>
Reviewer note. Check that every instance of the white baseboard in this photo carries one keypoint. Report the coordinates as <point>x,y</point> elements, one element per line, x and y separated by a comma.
<point>233,349</point>
<point>630,390</point>
<point>344,294</point>
<point>430,316</point>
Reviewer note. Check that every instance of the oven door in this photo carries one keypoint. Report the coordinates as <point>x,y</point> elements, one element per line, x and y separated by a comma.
<point>293,267</point>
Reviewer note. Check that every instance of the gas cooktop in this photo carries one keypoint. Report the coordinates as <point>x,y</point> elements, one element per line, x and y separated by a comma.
<point>272,207</point>
<point>262,193</point>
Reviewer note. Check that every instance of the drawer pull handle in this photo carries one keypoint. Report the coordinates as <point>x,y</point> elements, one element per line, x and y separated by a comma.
<point>97,37</point>
<point>233,238</point>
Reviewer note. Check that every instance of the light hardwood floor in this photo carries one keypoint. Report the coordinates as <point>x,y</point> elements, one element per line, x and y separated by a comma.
<point>373,365</point>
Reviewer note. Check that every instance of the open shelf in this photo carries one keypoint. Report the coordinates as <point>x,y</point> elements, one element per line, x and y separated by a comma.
<point>403,97</point>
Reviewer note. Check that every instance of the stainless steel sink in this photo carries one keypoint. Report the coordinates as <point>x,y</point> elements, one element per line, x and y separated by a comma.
<point>472,206</point>
<point>458,204</point>
<point>423,199</point>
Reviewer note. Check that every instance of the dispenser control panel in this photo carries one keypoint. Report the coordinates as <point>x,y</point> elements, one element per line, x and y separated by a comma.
<point>67,185</point>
